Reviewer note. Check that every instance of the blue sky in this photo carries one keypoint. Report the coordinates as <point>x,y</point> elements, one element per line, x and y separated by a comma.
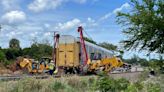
<point>37,19</point>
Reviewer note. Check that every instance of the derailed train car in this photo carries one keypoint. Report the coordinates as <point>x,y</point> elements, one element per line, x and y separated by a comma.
<point>69,55</point>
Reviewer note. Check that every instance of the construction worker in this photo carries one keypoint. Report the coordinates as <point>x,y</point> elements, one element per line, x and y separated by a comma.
<point>51,67</point>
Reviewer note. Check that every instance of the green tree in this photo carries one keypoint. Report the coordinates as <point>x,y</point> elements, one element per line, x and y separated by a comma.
<point>90,40</point>
<point>38,50</point>
<point>2,56</point>
<point>12,54</point>
<point>14,44</point>
<point>108,46</point>
<point>144,25</point>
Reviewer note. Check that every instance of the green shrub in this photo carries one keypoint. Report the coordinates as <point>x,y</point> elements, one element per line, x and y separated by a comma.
<point>131,88</point>
<point>134,87</point>
<point>153,87</point>
<point>57,86</point>
<point>107,84</point>
<point>138,85</point>
<point>122,84</point>
<point>2,56</point>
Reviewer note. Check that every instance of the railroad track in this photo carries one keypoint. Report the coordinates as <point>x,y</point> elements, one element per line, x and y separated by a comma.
<point>13,78</point>
<point>18,77</point>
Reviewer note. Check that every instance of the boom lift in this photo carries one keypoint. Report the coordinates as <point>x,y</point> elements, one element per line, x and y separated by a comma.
<point>82,42</point>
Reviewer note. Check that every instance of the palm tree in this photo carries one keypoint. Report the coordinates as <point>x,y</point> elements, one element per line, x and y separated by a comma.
<point>14,43</point>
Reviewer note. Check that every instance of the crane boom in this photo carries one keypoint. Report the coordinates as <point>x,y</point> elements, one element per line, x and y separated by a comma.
<point>56,42</point>
<point>82,42</point>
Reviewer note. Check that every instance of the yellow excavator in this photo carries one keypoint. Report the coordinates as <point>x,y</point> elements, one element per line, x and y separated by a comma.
<point>105,64</point>
<point>32,66</point>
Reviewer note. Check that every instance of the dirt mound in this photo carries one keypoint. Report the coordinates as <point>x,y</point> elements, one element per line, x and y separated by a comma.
<point>2,66</point>
<point>13,68</point>
<point>4,70</point>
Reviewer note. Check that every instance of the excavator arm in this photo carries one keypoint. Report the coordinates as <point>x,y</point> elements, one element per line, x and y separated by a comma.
<point>26,63</point>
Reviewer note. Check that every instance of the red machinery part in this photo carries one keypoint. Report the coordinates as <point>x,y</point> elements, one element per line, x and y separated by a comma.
<point>82,42</point>
<point>56,42</point>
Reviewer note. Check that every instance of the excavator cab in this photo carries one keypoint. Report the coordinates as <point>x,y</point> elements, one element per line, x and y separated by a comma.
<point>34,65</point>
<point>44,64</point>
<point>45,61</point>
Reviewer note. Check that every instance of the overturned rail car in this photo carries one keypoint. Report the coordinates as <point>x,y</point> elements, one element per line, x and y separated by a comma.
<point>69,53</point>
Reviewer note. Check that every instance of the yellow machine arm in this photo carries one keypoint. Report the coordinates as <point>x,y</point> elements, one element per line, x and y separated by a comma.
<point>26,63</point>
<point>33,67</point>
<point>107,64</point>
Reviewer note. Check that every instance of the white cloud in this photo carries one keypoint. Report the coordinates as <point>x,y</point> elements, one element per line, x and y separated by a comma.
<point>34,34</point>
<point>25,32</point>
<point>90,22</point>
<point>13,34</point>
<point>9,4</point>
<point>9,32</point>
<point>47,34</point>
<point>68,25</point>
<point>13,17</point>
<point>106,16</point>
<point>46,25</point>
<point>41,5</point>
<point>124,6</point>
<point>83,1</point>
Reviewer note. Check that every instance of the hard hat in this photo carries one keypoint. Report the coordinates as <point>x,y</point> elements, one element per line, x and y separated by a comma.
<point>51,61</point>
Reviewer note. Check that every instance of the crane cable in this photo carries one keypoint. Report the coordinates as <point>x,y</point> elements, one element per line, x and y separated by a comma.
<point>88,35</point>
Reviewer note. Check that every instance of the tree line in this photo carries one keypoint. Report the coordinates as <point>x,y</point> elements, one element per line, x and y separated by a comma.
<point>36,51</point>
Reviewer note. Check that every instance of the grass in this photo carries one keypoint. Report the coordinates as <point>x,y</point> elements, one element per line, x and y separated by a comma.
<point>83,84</point>
<point>70,84</point>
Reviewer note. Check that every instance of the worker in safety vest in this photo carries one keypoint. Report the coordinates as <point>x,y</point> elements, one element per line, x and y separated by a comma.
<point>51,67</point>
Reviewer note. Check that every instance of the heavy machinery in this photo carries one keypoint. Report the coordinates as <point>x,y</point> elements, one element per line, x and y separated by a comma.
<point>74,55</point>
<point>32,66</point>
<point>106,65</point>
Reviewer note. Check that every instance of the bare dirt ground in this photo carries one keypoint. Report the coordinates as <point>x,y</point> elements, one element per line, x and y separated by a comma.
<point>133,76</point>
<point>4,70</point>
